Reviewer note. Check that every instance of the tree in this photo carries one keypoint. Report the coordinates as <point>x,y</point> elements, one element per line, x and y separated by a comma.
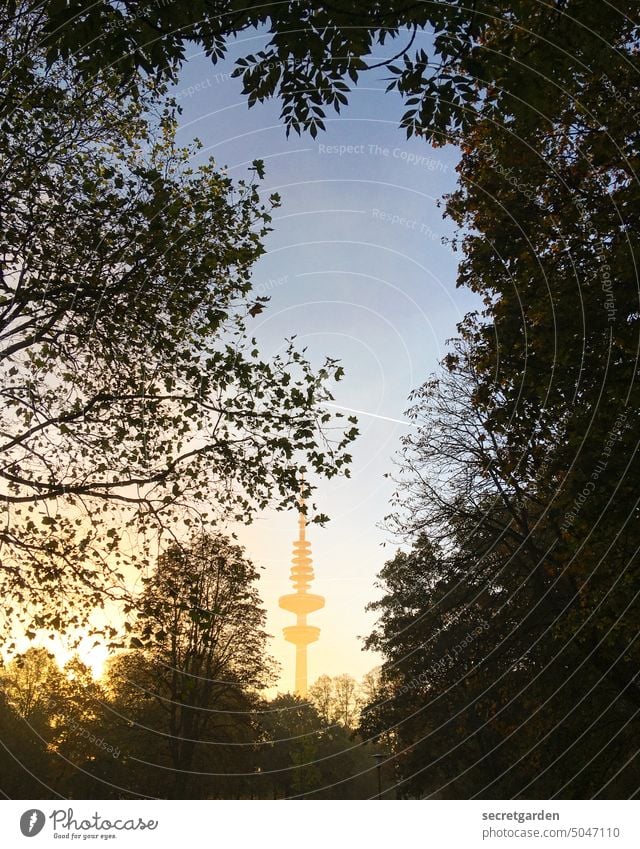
<point>549,209</point>
<point>519,497</point>
<point>66,735</point>
<point>337,699</point>
<point>199,628</point>
<point>24,762</point>
<point>493,56</point>
<point>49,729</point>
<point>304,755</point>
<point>346,701</point>
<point>131,388</point>
<point>322,695</point>
<point>370,686</point>
<point>290,746</point>
<point>33,684</point>
<point>497,661</point>
<point>481,700</point>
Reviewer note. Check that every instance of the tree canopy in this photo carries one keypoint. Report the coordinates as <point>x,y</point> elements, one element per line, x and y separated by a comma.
<point>117,739</point>
<point>520,60</point>
<point>510,642</point>
<point>131,388</point>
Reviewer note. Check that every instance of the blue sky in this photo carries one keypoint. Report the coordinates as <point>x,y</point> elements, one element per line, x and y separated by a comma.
<point>356,268</point>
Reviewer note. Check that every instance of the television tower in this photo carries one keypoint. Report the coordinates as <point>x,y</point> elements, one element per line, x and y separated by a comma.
<point>301,603</point>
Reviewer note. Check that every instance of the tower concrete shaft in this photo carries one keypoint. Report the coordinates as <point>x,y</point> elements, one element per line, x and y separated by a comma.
<point>301,602</point>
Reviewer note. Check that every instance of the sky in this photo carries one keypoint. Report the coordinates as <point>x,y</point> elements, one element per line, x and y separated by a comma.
<point>357,270</point>
<point>355,267</point>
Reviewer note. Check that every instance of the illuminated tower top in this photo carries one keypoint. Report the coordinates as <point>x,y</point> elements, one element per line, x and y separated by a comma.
<point>301,602</point>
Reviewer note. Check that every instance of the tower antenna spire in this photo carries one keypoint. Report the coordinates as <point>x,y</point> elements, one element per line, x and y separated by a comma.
<point>301,602</point>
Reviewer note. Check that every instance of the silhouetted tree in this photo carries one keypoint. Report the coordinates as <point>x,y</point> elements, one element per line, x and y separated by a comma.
<point>131,392</point>
<point>303,755</point>
<point>189,689</point>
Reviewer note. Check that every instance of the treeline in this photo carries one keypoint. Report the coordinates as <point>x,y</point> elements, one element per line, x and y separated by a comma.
<point>181,715</point>
<point>509,622</point>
